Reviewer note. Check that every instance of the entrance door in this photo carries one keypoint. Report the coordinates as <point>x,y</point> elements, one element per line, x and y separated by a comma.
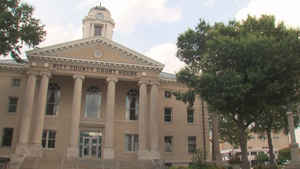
<point>90,146</point>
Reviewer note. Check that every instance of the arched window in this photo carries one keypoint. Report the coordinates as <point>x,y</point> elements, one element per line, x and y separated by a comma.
<point>53,99</point>
<point>92,102</point>
<point>132,105</point>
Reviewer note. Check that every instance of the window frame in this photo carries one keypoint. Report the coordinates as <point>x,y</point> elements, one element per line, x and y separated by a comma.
<point>168,94</point>
<point>46,139</point>
<point>4,137</point>
<point>165,114</point>
<point>55,88</point>
<point>132,112</point>
<point>16,82</point>
<point>98,27</point>
<point>192,144</point>
<point>131,143</point>
<point>90,92</point>
<point>190,117</point>
<point>168,147</point>
<point>11,105</point>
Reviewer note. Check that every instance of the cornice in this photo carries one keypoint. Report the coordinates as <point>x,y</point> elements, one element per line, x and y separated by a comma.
<point>93,40</point>
<point>93,63</point>
<point>15,67</point>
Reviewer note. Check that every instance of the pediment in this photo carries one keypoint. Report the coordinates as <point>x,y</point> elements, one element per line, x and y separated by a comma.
<point>95,49</point>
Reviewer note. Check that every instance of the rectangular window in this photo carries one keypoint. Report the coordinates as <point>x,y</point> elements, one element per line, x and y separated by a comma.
<point>192,145</point>
<point>16,82</point>
<point>12,104</point>
<point>48,139</point>
<point>168,94</point>
<point>131,142</point>
<point>168,143</point>
<point>7,137</point>
<point>168,114</point>
<point>190,115</point>
<point>98,30</point>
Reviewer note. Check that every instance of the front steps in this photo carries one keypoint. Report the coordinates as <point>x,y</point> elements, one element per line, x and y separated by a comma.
<point>40,163</point>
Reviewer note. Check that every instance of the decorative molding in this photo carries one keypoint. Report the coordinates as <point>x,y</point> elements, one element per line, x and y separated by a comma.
<point>78,77</point>
<point>112,79</point>
<point>93,40</point>
<point>63,61</point>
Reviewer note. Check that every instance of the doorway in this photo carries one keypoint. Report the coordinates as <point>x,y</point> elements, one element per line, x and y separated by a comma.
<point>90,145</point>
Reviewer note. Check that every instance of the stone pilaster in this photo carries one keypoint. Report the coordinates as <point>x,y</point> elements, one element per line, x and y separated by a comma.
<point>143,152</point>
<point>295,153</point>
<point>109,118</point>
<point>40,116</point>
<point>154,121</point>
<point>23,143</point>
<point>73,151</point>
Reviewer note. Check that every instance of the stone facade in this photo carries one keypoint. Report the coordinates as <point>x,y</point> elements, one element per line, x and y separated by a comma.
<point>48,112</point>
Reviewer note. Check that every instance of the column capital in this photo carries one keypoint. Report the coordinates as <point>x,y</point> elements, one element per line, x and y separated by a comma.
<point>48,74</point>
<point>289,113</point>
<point>32,73</point>
<point>155,83</point>
<point>143,81</point>
<point>78,77</point>
<point>112,79</point>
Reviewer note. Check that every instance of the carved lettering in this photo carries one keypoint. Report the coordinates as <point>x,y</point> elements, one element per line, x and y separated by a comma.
<point>95,70</point>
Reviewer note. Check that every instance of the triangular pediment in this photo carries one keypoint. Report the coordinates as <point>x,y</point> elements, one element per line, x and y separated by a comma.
<point>95,49</point>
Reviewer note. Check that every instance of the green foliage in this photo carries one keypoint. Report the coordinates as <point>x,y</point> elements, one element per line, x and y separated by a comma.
<point>284,155</point>
<point>242,69</point>
<point>18,27</point>
<point>261,158</point>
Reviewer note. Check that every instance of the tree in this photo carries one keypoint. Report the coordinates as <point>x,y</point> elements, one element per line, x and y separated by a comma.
<point>241,68</point>
<point>273,121</point>
<point>18,27</point>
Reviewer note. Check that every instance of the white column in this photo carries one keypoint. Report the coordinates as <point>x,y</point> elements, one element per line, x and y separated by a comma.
<point>27,114</point>
<point>40,116</point>
<point>76,109</point>
<point>154,121</point>
<point>109,118</point>
<point>142,154</point>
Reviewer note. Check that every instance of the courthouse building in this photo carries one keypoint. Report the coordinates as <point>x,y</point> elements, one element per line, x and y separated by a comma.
<point>93,103</point>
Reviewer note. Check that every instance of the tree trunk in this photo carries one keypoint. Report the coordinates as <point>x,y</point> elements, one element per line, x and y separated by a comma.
<point>215,131</point>
<point>271,151</point>
<point>244,150</point>
<point>204,131</point>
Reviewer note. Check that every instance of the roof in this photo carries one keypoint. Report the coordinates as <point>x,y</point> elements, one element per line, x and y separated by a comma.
<point>167,76</point>
<point>10,62</point>
<point>94,40</point>
<point>100,8</point>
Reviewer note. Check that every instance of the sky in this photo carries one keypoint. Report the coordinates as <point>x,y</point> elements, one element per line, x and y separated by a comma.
<point>151,27</point>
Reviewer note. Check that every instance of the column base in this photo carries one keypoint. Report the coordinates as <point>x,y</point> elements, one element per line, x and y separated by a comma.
<point>148,155</point>
<point>17,158</point>
<point>108,153</point>
<point>36,150</point>
<point>72,153</point>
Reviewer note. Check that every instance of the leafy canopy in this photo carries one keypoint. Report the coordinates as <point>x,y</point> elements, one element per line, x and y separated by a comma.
<point>245,66</point>
<point>18,27</point>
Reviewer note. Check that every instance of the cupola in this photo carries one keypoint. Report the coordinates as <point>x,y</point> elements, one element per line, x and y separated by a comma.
<point>98,22</point>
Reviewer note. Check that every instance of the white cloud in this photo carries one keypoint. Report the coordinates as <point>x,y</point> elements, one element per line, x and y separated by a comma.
<point>61,33</point>
<point>287,10</point>
<point>127,14</point>
<point>166,54</point>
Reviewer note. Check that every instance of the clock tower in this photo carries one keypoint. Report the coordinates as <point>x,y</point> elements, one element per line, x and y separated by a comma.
<point>98,23</point>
